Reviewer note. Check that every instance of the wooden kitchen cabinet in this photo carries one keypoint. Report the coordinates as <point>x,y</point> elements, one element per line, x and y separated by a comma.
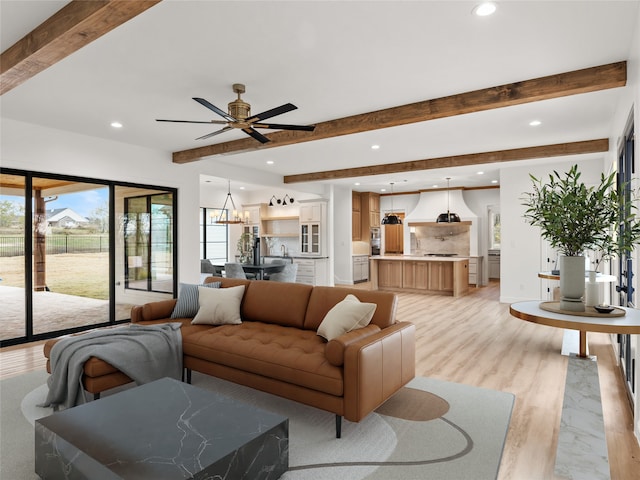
<point>415,275</point>
<point>368,216</point>
<point>356,217</point>
<point>389,274</point>
<point>393,239</point>
<point>441,276</point>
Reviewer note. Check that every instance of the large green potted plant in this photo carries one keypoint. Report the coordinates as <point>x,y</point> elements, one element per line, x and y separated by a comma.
<point>574,217</point>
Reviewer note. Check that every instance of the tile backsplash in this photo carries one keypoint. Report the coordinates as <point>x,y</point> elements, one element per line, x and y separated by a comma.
<point>440,239</point>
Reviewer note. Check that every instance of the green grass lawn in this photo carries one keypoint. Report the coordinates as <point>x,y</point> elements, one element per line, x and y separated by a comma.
<point>81,274</point>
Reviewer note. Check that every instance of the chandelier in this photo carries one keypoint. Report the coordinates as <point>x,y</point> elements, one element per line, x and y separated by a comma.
<point>224,218</point>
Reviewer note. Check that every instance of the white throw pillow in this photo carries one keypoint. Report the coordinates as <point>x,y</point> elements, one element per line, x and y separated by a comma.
<point>345,316</point>
<point>219,306</point>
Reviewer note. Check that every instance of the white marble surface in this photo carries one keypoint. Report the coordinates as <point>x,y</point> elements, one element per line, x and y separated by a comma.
<point>582,446</point>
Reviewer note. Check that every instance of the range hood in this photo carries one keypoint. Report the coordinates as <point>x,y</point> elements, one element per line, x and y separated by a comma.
<point>431,204</point>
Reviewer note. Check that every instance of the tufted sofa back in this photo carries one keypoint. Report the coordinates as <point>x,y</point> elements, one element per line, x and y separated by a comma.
<point>303,306</point>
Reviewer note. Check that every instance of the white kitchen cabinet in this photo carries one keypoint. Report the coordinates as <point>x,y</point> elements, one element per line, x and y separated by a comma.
<point>312,229</point>
<point>310,239</point>
<point>312,271</point>
<point>360,268</point>
<point>251,214</point>
<point>475,271</point>
<point>494,264</point>
<point>311,212</point>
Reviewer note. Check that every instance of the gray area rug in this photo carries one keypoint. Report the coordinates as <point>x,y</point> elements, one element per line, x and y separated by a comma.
<point>431,429</point>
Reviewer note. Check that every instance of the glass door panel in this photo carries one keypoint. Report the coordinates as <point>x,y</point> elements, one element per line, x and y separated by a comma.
<point>145,247</point>
<point>70,254</point>
<point>315,238</point>
<point>12,256</point>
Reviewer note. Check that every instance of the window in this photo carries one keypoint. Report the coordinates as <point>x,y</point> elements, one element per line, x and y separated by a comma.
<point>494,227</point>
<point>213,237</point>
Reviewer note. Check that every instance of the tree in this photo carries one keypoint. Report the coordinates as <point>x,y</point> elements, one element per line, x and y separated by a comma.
<point>100,217</point>
<point>11,213</point>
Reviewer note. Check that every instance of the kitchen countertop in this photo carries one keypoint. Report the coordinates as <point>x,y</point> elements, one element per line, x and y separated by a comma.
<point>417,258</point>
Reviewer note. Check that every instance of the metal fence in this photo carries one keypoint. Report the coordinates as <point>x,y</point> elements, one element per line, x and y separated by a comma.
<point>13,245</point>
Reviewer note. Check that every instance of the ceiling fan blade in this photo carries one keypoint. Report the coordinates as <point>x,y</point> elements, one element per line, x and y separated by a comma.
<point>255,134</point>
<point>211,106</point>
<point>282,126</point>
<point>287,107</point>
<point>216,122</point>
<point>217,132</point>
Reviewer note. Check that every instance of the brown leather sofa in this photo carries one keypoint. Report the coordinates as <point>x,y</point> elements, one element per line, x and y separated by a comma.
<point>276,348</point>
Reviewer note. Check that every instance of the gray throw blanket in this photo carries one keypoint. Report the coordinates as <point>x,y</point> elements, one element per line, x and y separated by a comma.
<point>143,352</point>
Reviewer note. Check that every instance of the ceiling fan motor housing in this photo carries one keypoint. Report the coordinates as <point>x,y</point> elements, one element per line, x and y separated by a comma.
<point>239,109</point>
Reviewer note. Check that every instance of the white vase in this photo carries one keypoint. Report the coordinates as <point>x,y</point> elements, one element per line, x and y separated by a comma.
<point>572,283</point>
<point>592,291</point>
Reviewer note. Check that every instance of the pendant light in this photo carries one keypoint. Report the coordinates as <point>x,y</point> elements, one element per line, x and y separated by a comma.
<point>391,218</point>
<point>224,218</point>
<point>448,217</point>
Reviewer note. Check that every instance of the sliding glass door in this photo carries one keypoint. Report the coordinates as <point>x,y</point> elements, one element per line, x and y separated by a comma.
<point>79,253</point>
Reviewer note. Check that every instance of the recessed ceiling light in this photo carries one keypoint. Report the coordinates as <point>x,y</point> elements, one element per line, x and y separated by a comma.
<point>116,124</point>
<point>241,188</point>
<point>494,181</point>
<point>383,189</point>
<point>480,173</point>
<point>484,9</point>
<point>269,162</point>
<point>357,183</point>
<point>375,147</point>
<point>535,123</point>
<point>434,186</point>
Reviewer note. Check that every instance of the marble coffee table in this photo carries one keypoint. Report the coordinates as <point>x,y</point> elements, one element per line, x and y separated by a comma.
<point>162,430</point>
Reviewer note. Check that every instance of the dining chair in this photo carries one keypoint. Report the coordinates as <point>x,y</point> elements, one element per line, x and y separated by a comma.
<point>206,266</point>
<point>234,270</point>
<point>288,274</point>
<point>273,261</point>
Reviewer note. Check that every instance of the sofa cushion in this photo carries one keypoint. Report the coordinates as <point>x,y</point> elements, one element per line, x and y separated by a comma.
<point>291,355</point>
<point>345,316</point>
<point>187,304</point>
<point>219,306</point>
<point>276,302</point>
<point>323,299</point>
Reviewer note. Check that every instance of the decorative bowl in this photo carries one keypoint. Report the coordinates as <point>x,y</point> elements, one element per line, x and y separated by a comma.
<point>604,308</point>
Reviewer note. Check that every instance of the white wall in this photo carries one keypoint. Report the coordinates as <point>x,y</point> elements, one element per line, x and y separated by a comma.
<point>521,250</point>
<point>342,260</point>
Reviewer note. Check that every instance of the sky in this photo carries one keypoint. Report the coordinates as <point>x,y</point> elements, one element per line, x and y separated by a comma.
<point>83,203</point>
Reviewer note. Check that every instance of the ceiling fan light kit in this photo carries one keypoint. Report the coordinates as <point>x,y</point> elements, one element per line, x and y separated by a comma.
<point>238,116</point>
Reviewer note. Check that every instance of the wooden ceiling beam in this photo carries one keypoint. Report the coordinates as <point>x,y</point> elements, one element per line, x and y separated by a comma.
<point>527,153</point>
<point>553,86</point>
<point>75,25</point>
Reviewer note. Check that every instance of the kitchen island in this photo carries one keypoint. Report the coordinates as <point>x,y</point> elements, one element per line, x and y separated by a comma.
<point>427,274</point>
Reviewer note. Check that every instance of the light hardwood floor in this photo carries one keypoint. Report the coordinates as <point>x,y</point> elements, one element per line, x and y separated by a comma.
<point>473,340</point>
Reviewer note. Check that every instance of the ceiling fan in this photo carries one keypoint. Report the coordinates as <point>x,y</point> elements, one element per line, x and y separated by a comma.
<point>239,116</point>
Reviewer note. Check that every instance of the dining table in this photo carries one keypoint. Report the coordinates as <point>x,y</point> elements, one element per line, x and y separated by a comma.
<point>259,270</point>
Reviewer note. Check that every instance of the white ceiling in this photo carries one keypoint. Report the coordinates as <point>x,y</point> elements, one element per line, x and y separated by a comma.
<point>332,59</point>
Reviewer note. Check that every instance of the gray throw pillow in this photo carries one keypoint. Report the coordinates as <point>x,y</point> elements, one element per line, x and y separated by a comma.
<point>187,304</point>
